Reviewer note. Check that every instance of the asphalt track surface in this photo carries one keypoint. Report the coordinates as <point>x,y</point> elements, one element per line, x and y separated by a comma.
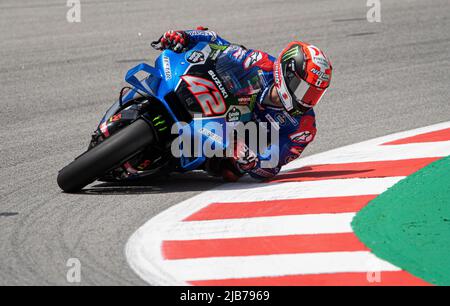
<point>57,79</point>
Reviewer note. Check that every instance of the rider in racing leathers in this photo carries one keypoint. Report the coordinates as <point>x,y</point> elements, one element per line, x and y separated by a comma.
<point>293,84</point>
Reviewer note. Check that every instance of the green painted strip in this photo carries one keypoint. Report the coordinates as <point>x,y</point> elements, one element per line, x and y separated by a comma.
<point>409,224</point>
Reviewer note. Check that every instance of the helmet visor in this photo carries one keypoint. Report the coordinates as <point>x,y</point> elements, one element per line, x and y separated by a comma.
<point>306,94</point>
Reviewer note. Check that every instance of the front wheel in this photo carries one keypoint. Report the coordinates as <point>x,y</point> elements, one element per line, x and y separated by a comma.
<point>106,156</point>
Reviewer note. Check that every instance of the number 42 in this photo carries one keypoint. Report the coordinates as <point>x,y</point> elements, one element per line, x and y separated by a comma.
<point>207,95</point>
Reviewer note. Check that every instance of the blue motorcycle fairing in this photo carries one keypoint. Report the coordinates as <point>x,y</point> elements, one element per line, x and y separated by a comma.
<point>163,79</point>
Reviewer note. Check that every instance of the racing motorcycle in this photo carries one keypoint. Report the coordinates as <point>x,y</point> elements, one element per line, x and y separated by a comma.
<point>134,138</point>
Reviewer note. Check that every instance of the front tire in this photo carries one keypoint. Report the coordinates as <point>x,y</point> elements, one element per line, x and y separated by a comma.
<point>106,156</point>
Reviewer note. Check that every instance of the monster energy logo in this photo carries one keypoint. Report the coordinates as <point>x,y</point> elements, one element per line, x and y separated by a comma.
<point>159,123</point>
<point>291,53</point>
<point>218,47</point>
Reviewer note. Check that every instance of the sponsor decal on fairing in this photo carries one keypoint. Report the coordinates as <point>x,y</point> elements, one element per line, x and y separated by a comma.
<point>207,95</point>
<point>233,115</point>
<point>167,68</point>
<point>195,57</point>
<point>211,134</point>
<point>244,100</point>
<point>218,83</point>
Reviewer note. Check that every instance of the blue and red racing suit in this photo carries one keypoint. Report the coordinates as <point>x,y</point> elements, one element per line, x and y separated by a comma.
<point>295,131</point>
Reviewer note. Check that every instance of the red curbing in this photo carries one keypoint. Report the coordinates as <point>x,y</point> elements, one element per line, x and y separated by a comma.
<point>398,278</point>
<point>332,205</point>
<point>291,244</point>
<point>441,135</point>
<point>374,169</point>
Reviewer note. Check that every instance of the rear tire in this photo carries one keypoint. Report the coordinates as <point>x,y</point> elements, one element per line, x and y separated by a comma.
<point>106,156</point>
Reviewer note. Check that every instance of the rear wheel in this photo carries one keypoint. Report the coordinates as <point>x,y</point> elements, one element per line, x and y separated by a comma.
<point>106,156</point>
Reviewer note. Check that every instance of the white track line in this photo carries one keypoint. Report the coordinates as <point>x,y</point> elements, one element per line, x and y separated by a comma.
<point>276,265</point>
<point>261,227</point>
<point>143,249</point>
<point>295,190</point>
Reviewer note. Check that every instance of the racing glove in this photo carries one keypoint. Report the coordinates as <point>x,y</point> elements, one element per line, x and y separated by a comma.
<point>174,40</point>
<point>245,158</point>
<point>244,161</point>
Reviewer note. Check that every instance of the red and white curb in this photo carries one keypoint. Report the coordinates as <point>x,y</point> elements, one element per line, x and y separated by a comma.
<point>293,230</point>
